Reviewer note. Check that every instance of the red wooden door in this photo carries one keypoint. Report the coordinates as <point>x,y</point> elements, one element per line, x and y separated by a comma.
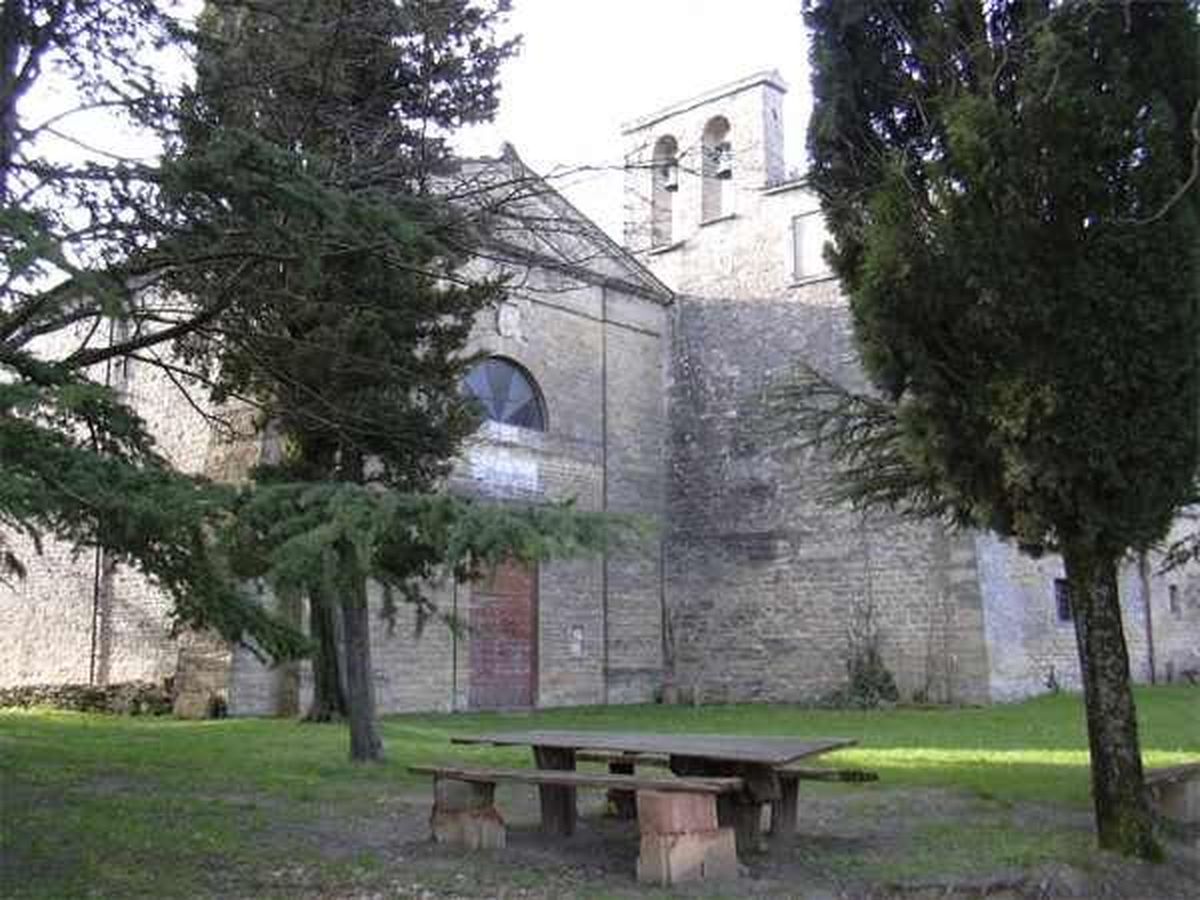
<point>503,638</point>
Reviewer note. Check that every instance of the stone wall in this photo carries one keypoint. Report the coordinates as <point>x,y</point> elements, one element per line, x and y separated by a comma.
<point>1175,609</point>
<point>77,617</point>
<point>135,698</point>
<point>764,580</point>
<point>597,354</point>
<point>1034,649</point>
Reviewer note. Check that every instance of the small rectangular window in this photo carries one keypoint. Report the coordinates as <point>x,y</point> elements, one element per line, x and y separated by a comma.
<point>1173,600</point>
<point>1062,599</point>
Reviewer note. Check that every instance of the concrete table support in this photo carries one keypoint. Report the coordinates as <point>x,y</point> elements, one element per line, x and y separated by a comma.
<point>465,815</point>
<point>1175,792</point>
<point>741,811</point>
<point>681,839</point>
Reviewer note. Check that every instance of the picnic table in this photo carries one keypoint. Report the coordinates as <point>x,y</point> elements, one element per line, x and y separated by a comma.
<point>754,759</point>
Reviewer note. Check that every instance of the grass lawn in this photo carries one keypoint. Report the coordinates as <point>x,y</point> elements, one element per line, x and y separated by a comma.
<point>113,807</point>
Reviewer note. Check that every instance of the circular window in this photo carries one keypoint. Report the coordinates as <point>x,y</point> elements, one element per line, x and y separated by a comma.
<point>506,394</point>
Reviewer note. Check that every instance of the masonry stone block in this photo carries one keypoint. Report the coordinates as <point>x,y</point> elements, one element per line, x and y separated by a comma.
<point>476,829</point>
<point>456,796</point>
<point>667,859</point>
<point>675,812</point>
<point>465,815</point>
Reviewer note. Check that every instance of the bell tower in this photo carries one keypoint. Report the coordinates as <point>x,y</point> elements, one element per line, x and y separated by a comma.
<point>695,163</point>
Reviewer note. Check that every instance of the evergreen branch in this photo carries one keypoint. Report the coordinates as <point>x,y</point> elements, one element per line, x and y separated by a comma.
<point>861,435</point>
<point>1187,184</point>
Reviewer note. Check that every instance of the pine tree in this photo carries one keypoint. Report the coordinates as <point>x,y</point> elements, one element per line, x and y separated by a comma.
<point>352,339</point>
<point>1011,188</point>
<point>79,224</point>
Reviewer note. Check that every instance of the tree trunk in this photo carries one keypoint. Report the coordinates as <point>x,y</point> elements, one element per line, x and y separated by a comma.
<point>365,743</point>
<point>329,689</point>
<point>13,29</point>
<point>1123,820</point>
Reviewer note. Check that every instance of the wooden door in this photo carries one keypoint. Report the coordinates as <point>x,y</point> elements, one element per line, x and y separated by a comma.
<point>503,639</point>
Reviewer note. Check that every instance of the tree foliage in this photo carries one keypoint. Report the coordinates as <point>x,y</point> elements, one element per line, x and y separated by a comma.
<point>81,229</point>
<point>1016,156</point>
<point>351,333</point>
<point>351,338</point>
<point>290,533</point>
<point>1011,191</point>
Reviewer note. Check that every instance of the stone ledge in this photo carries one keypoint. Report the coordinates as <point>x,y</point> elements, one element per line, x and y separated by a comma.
<point>126,698</point>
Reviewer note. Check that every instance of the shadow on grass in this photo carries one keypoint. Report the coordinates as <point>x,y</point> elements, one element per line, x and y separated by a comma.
<point>107,806</point>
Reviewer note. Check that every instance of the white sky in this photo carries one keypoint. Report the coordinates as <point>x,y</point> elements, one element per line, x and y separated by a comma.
<point>586,66</point>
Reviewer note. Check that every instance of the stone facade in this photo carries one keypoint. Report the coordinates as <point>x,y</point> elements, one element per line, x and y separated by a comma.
<point>1033,643</point>
<point>764,581</point>
<point>653,365</point>
<point>588,326</point>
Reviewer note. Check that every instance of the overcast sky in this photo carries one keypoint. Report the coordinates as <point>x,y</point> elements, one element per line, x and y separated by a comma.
<point>586,66</point>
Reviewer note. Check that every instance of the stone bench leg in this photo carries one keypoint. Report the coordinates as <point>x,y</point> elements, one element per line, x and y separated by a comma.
<point>1178,801</point>
<point>681,840</point>
<point>465,815</point>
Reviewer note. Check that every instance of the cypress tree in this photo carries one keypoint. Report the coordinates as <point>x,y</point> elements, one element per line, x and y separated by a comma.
<point>1011,189</point>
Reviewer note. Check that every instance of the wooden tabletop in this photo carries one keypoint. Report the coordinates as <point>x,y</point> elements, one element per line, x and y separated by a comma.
<point>771,751</point>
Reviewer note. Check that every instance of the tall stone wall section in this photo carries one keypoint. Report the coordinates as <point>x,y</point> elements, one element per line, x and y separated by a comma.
<point>597,354</point>
<point>1174,625</point>
<point>763,580</point>
<point>78,616</point>
<point>1034,648</point>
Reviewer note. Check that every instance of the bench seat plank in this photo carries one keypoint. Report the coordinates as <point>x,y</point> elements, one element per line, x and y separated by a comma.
<point>802,773</point>
<point>1175,792</point>
<point>570,778</point>
<point>1173,774</point>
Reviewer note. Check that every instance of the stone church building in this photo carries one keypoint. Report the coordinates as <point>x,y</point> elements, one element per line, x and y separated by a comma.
<point>634,379</point>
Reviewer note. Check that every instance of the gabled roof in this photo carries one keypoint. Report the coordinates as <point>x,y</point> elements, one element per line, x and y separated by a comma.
<point>525,220</point>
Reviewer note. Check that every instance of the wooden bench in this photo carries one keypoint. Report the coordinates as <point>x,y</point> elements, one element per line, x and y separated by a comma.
<point>1175,792</point>
<point>677,817</point>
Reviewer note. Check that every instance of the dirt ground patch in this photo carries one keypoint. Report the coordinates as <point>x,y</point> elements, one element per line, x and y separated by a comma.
<point>851,843</point>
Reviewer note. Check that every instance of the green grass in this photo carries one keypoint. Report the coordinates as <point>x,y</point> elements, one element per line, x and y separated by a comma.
<point>111,807</point>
